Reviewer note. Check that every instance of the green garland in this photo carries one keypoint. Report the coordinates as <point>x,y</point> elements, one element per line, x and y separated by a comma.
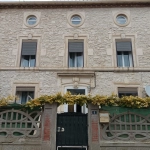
<point>112,100</point>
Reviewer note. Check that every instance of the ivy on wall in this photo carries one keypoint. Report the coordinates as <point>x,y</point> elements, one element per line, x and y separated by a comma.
<point>112,100</point>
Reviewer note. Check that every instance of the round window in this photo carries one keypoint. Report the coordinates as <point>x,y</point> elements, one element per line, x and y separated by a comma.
<point>76,20</point>
<point>121,19</point>
<point>31,20</point>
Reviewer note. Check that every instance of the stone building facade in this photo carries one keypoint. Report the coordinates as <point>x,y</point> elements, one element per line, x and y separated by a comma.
<point>99,31</point>
<point>96,47</point>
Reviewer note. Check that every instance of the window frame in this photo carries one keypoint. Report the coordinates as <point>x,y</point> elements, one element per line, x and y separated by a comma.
<point>64,108</point>
<point>123,59</point>
<point>127,88</point>
<point>126,38</point>
<point>27,15</point>
<point>124,13</point>
<point>36,38</point>
<point>128,85</point>
<point>28,20</point>
<point>21,91</point>
<point>80,14</point>
<point>25,85</point>
<point>79,19</point>
<point>29,62</point>
<point>75,41</point>
<point>66,53</point>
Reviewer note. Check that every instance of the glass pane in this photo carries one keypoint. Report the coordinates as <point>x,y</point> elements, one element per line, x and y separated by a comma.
<point>119,59</point>
<point>25,61</point>
<point>32,20</point>
<point>30,95</point>
<point>32,61</point>
<point>24,97</point>
<point>72,59</point>
<point>79,59</point>
<point>76,20</point>
<point>76,91</point>
<point>126,59</point>
<point>127,94</point>
<point>121,19</point>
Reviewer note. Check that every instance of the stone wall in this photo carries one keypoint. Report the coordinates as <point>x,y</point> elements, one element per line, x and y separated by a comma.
<point>100,30</point>
<point>53,27</point>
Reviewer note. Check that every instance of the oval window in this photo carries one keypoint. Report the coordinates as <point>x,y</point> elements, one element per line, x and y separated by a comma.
<point>121,19</point>
<point>31,20</point>
<point>76,20</point>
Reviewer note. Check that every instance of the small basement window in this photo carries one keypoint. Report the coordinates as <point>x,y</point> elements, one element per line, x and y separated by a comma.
<point>127,91</point>
<point>24,94</point>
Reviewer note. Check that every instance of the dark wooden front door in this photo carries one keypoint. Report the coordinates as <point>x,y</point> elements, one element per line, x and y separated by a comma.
<point>72,131</point>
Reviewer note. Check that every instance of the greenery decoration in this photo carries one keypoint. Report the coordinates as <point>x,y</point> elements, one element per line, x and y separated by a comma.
<point>112,100</point>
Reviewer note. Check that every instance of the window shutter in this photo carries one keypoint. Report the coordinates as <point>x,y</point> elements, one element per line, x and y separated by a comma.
<point>127,90</point>
<point>124,46</point>
<point>75,46</point>
<point>29,48</point>
<point>25,88</point>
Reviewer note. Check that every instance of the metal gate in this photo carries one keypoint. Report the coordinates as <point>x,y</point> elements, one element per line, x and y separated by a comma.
<point>72,131</point>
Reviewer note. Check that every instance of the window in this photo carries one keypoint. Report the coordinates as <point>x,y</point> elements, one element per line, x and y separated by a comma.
<point>28,53</point>
<point>24,94</point>
<point>127,91</point>
<point>76,19</point>
<point>121,19</point>
<point>124,54</point>
<point>76,108</point>
<point>75,52</point>
<point>31,20</point>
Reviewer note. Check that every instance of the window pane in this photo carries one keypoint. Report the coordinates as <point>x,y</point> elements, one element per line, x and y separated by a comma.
<point>24,97</point>
<point>126,59</point>
<point>30,95</point>
<point>32,61</point>
<point>127,94</point>
<point>72,59</point>
<point>76,19</point>
<point>32,20</point>
<point>80,59</point>
<point>25,61</point>
<point>76,91</point>
<point>76,59</point>
<point>119,59</point>
<point>127,91</point>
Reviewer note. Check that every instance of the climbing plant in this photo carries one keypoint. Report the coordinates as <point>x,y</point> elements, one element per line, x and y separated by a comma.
<point>101,100</point>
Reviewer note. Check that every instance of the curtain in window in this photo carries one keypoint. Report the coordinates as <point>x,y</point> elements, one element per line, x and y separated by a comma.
<point>24,97</point>
<point>119,59</point>
<point>72,59</point>
<point>32,61</point>
<point>79,59</point>
<point>30,95</point>
<point>76,59</point>
<point>25,61</point>
<point>126,59</point>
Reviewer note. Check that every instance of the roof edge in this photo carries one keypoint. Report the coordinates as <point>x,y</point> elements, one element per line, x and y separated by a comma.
<point>72,2</point>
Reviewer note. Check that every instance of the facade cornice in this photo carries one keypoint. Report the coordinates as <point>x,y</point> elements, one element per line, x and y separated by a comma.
<point>75,4</point>
<point>75,70</point>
